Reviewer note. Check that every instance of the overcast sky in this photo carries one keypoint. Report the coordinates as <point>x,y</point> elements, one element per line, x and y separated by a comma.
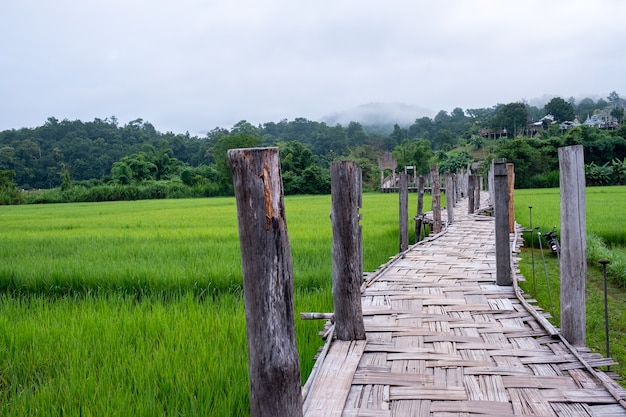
<point>193,65</point>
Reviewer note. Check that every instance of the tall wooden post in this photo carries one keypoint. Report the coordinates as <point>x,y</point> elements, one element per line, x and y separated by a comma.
<point>404,211</point>
<point>477,181</point>
<point>501,206</point>
<point>435,188</point>
<point>573,244</point>
<point>471,184</point>
<point>345,181</point>
<point>450,197</point>
<point>455,185</point>
<point>267,283</point>
<point>511,176</point>
<point>420,195</point>
<point>419,218</point>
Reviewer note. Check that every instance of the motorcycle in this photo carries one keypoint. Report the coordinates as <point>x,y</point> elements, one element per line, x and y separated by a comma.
<point>553,242</point>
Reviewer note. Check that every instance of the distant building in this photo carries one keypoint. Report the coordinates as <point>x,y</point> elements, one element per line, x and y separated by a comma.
<point>602,120</point>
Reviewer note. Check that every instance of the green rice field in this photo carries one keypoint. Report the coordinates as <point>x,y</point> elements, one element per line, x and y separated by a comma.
<point>605,219</point>
<point>135,308</point>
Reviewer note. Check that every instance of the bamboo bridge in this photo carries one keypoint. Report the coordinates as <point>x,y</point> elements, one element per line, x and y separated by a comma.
<point>442,330</point>
<point>443,340</point>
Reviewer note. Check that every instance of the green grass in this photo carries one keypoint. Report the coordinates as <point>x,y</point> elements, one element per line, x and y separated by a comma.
<point>605,209</point>
<point>135,308</point>
<point>536,284</point>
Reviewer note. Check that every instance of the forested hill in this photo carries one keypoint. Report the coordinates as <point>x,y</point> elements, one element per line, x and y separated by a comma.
<point>102,151</point>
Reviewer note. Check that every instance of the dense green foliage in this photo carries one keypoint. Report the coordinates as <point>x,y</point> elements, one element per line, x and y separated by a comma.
<point>125,162</point>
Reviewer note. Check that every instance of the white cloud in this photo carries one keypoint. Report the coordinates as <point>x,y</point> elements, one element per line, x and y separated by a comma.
<point>194,65</point>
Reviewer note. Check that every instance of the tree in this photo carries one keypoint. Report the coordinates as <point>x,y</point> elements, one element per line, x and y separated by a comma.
<point>66,180</point>
<point>422,128</point>
<point>513,117</point>
<point>9,193</point>
<point>560,109</point>
<point>619,170</point>
<point>444,139</point>
<point>614,98</point>
<point>585,108</point>
<point>618,113</point>
<point>414,153</point>
<point>232,141</point>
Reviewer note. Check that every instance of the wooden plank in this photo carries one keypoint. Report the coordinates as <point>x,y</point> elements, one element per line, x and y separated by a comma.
<point>392,378</point>
<point>532,381</point>
<point>328,397</point>
<point>494,408</point>
<point>529,401</point>
<point>426,393</point>
<point>589,396</point>
<point>611,410</point>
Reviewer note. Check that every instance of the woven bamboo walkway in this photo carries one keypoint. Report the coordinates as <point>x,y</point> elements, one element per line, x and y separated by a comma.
<point>443,340</point>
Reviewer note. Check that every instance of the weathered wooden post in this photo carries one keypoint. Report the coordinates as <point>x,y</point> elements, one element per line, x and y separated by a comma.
<point>477,181</point>
<point>404,211</point>
<point>420,195</point>
<point>490,185</point>
<point>501,207</point>
<point>450,197</point>
<point>435,188</point>
<point>511,174</point>
<point>345,180</point>
<point>419,218</point>
<point>455,186</point>
<point>573,260</point>
<point>267,282</point>
<point>471,184</point>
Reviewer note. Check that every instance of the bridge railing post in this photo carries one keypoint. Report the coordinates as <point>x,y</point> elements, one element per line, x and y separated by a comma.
<point>347,262</point>
<point>511,178</point>
<point>435,189</point>
<point>404,211</point>
<point>273,360</point>
<point>573,258</point>
<point>501,208</point>
<point>450,197</point>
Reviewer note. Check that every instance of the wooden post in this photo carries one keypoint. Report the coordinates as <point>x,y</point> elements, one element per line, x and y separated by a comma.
<point>404,211</point>
<point>267,283</point>
<point>435,188</point>
<point>345,180</point>
<point>511,174</point>
<point>450,197</point>
<point>419,217</point>
<point>477,181</point>
<point>501,206</point>
<point>420,195</point>
<point>454,190</point>
<point>573,244</point>
<point>471,184</point>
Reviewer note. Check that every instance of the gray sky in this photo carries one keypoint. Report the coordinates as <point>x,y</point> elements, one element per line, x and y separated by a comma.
<point>193,65</point>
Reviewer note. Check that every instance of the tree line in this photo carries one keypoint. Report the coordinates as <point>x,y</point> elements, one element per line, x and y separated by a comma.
<point>104,160</point>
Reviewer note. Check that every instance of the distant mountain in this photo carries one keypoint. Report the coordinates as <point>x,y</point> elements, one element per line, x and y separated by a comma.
<point>379,117</point>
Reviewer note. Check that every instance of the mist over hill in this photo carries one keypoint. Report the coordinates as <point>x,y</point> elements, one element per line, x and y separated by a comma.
<point>379,117</point>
